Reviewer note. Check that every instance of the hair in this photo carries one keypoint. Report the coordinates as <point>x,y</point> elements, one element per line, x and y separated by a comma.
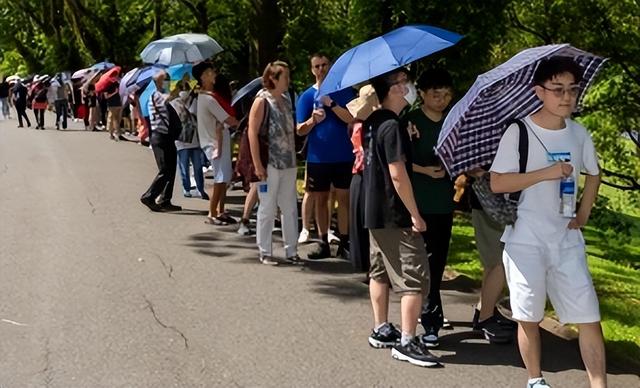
<point>550,67</point>
<point>318,54</point>
<point>382,83</point>
<point>159,73</point>
<point>434,79</point>
<point>222,88</point>
<point>273,69</point>
<point>200,68</point>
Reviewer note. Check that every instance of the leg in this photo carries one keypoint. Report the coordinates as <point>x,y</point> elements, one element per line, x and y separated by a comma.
<point>379,295</point>
<point>64,114</point>
<point>410,307</point>
<point>321,201</point>
<point>530,348</point>
<point>342,196</point>
<point>287,201</point>
<point>183,162</point>
<point>307,210</point>
<point>216,197</point>
<point>593,353</point>
<point>20,113</point>
<point>172,161</point>
<point>196,161</point>
<point>250,202</point>
<point>159,183</point>
<point>267,212</point>
<point>492,288</point>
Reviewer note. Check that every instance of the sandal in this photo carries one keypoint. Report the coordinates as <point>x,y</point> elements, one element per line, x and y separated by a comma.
<point>215,221</point>
<point>224,217</point>
<point>295,260</point>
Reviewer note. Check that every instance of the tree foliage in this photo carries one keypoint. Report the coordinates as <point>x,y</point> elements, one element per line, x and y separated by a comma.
<point>46,36</point>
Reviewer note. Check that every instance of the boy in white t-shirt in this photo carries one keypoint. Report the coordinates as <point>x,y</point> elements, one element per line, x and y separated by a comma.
<point>544,251</point>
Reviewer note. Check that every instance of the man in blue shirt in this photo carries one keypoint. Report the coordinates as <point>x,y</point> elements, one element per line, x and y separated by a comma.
<point>329,153</point>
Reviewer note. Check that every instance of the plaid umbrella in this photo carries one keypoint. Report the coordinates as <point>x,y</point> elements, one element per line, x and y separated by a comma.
<point>472,130</point>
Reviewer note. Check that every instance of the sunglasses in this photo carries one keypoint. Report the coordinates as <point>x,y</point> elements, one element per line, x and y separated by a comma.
<point>560,91</point>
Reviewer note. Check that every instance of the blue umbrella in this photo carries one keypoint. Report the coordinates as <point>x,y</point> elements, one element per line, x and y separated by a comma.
<point>385,53</point>
<point>248,90</point>
<point>176,72</point>
<point>103,66</point>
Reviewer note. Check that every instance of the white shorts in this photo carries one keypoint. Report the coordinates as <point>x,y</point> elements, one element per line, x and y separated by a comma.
<point>533,272</point>
<point>222,168</point>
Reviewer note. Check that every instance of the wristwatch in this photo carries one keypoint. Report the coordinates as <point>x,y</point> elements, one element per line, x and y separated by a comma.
<point>333,104</point>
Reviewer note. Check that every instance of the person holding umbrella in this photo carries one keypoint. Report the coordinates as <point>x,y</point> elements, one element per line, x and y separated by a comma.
<point>544,251</point>
<point>114,105</point>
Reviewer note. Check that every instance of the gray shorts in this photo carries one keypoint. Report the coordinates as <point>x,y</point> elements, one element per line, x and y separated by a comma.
<point>398,257</point>
<point>487,233</point>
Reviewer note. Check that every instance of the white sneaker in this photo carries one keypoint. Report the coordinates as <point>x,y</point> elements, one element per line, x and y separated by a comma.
<point>304,236</point>
<point>244,230</point>
<point>537,383</point>
<point>332,238</point>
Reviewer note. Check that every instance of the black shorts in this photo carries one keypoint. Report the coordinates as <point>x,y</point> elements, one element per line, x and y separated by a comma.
<point>320,176</point>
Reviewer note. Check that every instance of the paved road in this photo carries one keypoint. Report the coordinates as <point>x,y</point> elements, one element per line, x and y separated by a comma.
<point>99,292</point>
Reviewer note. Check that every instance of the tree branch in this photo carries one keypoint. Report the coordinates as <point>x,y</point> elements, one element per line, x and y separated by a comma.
<point>515,22</point>
<point>633,184</point>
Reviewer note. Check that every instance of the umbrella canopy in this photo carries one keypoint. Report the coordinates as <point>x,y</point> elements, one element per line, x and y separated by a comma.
<point>248,90</point>
<point>83,75</point>
<point>207,46</point>
<point>472,130</point>
<point>124,90</point>
<point>385,53</point>
<point>175,73</point>
<point>170,52</point>
<point>101,66</point>
<point>106,79</point>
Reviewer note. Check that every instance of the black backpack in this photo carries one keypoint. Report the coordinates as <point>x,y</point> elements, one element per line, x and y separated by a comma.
<point>503,208</point>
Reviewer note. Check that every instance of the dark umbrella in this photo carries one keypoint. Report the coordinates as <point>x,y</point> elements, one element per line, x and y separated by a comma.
<point>248,90</point>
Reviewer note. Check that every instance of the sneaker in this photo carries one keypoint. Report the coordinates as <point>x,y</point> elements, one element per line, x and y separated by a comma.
<point>446,324</point>
<point>494,332</point>
<point>343,251</point>
<point>151,204</point>
<point>537,383</point>
<point>430,338</point>
<point>268,260</point>
<point>332,238</point>
<point>295,260</point>
<point>323,252</point>
<point>204,196</point>
<point>304,236</point>
<point>415,353</point>
<point>388,336</point>
<point>244,229</point>
<point>506,323</point>
<point>186,193</point>
<point>169,207</point>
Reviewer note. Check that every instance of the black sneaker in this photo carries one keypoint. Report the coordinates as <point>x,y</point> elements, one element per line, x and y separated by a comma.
<point>386,337</point>
<point>494,331</point>
<point>323,252</point>
<point>169,207</point>
<point>151,204</point>
<point>430,337</point>
<point>415,353</point>
<point>504,322</point>
<point>343,250</point>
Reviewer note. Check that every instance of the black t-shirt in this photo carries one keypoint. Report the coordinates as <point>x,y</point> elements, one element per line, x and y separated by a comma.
<point>4,89</point>
<point>20,94</point>
<point>114,100</point>
<point>385,143</point>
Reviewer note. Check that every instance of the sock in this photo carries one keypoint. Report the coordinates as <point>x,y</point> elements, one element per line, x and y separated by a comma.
<point>534,380</point>
<point>406,338</point>
<point>245,221</point>
<point>377,328</point>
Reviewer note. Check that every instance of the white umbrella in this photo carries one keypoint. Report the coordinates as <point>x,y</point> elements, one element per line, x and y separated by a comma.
<point>12,78</point>
<point>169,52</point>
<point>472,130</point>
<point>84,74</point>
<point>207,46</point>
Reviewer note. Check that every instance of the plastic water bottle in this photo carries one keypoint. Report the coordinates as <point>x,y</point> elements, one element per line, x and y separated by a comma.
<point>262,187</point>
<point>567,196</point>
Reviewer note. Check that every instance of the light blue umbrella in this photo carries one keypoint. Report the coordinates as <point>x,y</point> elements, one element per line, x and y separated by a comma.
<point>385,53</point>
<point>176,72</point>
<point>101,66</point>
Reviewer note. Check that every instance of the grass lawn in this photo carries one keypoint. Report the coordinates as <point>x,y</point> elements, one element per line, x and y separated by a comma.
<point>615,272</point>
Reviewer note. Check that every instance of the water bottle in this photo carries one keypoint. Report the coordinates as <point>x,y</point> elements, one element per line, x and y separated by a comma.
<point>567,196</point>
<point>262,187</point>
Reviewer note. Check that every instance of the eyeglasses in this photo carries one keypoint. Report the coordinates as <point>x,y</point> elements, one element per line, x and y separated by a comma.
<point>319,65</point>
<point>441,96</point>
<point>560,91</point>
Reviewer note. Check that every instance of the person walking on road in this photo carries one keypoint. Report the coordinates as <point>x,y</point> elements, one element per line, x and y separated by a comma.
<point>398,255</point>
<point>4,98</point>
<point>20,102</point>
<point>158,197</point>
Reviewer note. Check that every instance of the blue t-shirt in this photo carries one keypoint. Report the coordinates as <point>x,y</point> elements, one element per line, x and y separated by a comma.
<point>328,141</point>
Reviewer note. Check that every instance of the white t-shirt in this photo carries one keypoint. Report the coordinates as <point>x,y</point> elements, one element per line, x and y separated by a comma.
<point>539,220</point>
<point>209,114</point>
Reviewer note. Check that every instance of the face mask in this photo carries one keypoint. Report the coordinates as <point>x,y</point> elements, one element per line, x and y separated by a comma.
<point>412,93</point>
<point>165,86</point>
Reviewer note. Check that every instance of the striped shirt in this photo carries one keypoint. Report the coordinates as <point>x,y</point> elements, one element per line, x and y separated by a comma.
<point>158,114</point>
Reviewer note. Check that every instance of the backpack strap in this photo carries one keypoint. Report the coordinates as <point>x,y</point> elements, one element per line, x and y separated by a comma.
<point>523,152</point>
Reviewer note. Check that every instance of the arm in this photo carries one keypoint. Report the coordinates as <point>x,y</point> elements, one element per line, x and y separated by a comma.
<point>306,126</point>
<point>256,114</point>
<point>512,181</point>
<point>402,184</point>
<point>219,143</point>
<point>231,121</point>
<point>589,194</point>
<point>342,113</point>
<point>433,172</point>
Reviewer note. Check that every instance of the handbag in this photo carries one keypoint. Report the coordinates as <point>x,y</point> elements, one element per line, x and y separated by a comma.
<point>503,208</point>
<point>244,165</point>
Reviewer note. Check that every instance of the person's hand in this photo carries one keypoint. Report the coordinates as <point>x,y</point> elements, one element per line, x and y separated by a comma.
<point>477,172</point>
<point>578,222</point>
<point>435,172</point>
<point>318,115</point>
<point>418,224</point>
<point>326,100</point>
<point>560,170</point>
<point>261,173</point>
<point>216,153</point>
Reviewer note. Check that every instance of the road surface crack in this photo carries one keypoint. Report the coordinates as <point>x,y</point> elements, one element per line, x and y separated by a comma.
<point>93,208</point>
<point>167,268</point>
<point>155,316</point>
<point>47,370</point>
